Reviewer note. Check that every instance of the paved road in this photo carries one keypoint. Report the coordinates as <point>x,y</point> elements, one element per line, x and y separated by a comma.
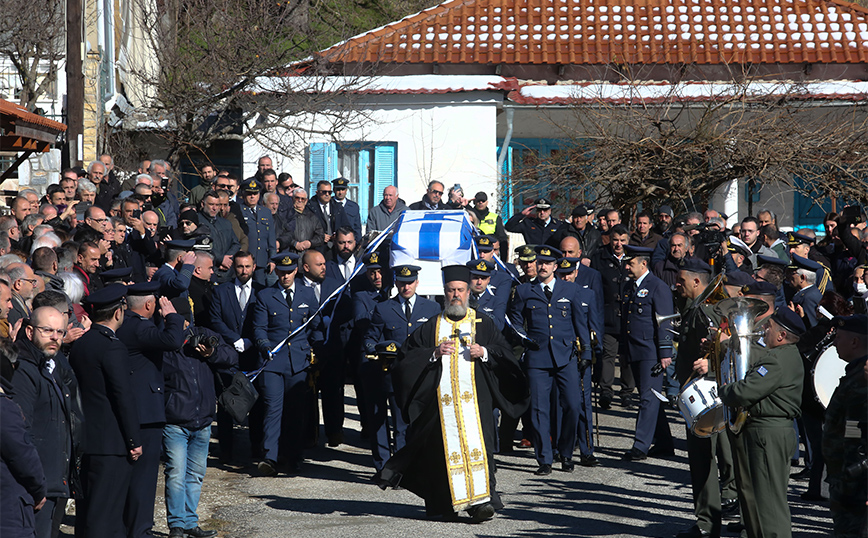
<point>334,497</point>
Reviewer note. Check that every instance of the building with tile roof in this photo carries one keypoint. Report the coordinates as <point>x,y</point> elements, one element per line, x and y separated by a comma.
<point>461,91</point>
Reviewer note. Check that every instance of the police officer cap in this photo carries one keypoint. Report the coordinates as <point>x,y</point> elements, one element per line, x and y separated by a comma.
<point>763,259</point>
<point>285,261</point>
<point>456,273</point>
<point>406,273</point>
<point>632,251</point>
<point>526,253</point>
<point>484,243</point>
<point>481,197</point>
<point>250,187</point>
<point>803,263</point>
<point>760,287</point>
<point>480,267</point>
<point>144,288</point>
<point>734,244</point>
<point>341,183</point>
<point>190,215</point>
<point>387,348</point>
<point>108,296</point>
<point>545,253</point>
<point>738,278</point>
<point>854,324</point>
<point>695,265</point>
<point>567,265</point>
<point>184,244</point>
<point>543,203</point>
<point>120,274</point>
<point>583,210</point>
<point>372,260</point>
<point>789,320</point>
<point>794,239</point>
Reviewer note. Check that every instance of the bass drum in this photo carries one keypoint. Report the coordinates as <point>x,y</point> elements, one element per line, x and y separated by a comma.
<point>827,373</point>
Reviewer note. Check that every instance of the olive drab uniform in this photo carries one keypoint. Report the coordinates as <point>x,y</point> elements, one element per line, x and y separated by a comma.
<point>845,439</point>
<point>771,392</point>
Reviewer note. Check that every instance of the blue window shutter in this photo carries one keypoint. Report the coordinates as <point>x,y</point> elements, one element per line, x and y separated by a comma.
<point>322,164</point>
<point>506,204</point>
<point>364,200</point>
<point>384,168</point>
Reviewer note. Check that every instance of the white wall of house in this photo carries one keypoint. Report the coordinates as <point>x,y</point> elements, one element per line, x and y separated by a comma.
<point>449,138</point>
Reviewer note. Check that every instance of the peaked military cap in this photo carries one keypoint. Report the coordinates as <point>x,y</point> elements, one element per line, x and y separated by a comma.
<point>526,253</point>
<point>803,263</point>
<point>285,261</point>
<point>546,253</point>
<point>341,183</point>
<point>794,239</point>
<point>406,273</point>
<point>372,260</point>
<point>568,265</point>
<point>695,265</point>
<point>857,323</point>
<point>480,267</point>
<point>484,243</point>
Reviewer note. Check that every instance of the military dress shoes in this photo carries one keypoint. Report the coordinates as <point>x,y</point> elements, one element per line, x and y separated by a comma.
<point>335,440</point>
<point>544,470</point>
<point>693,532</point>
<point>480,513</point>
<point>659,452</point>
<point>729,508</point>
<point>267,468</point>
<point>589,461</point>
<point>634,454</point>
<point>606,401</point>
<point>568,466</point>
<point>176,532</point>
<point>199,532</point>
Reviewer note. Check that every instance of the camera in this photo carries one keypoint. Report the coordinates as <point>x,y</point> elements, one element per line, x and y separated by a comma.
<point>710,238</point>
<point>137,213</point>
<point>208,341</point>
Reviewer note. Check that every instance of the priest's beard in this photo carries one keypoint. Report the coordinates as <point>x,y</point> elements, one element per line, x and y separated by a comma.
<point>457,309</point>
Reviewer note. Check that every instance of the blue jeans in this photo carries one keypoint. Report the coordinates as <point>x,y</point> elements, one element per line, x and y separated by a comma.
<point>186,461</point>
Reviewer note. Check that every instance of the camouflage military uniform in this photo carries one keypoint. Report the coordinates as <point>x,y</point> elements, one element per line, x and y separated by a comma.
<point>845,438</point>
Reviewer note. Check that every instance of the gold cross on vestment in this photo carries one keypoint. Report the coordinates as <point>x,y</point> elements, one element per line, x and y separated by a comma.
<point>455,457</point>
<point>467,396</point>
<point>446,399</point>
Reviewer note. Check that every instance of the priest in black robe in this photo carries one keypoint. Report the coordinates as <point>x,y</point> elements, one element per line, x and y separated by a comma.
<point>421,466</point>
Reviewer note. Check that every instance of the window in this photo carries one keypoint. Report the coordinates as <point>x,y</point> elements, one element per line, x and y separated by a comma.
<point>370,167</point>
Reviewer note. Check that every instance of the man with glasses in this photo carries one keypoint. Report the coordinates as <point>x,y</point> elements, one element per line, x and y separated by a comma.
<point>307,230</point>
<point>41,384</point>
<point>96,218</point>
<point>330,213</point>
<point>432,199</point>
<point>228,183</point>
<point>24,286</point>
<point>750,234</point>
<point>224,242</point>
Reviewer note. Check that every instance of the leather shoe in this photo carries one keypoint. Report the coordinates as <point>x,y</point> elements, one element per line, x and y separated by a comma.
<point>627,400</point>
<point>589,461</point>
<point>481,513</point>
<point>729,508</point>
<point>658,452</point>
<point>199,532</point>
<point>693,532</point>
<point>634,454</point>
<point>176,532</point>
<point>606,401</point>
<point>804,474</point>
<point>567,466</point>
<point>735,526</point>
<point>335,439</point>
<point>544,470</point>
<point>267,467</point>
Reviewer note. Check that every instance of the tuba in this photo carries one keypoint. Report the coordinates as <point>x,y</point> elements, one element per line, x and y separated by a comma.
<point>733,365</point>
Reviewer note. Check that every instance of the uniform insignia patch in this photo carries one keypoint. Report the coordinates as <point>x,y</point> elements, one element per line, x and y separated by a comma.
<point>421,320</point>
<point>642,293</point>
<point>762,371</point>
<point>375,258</point>
<point>563,300</point>
<point>391,347</point>
<point>303,305</point>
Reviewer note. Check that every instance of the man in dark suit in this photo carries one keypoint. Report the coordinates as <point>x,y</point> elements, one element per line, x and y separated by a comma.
<point>647,344</point>
<point>344,263</point>
<point>393,319</point>
<point>558,330</point>
<point>351,209</point>
<point>112,437</point>
<point>330,213</point>
<point>280,311</point>
<point>231,317</point>
<point>146,344</point>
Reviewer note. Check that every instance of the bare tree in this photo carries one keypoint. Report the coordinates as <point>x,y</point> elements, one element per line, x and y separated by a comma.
<point>32,38</point>
<point>675,149</point>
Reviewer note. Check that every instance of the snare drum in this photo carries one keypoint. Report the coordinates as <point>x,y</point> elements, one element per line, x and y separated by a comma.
<point>701,407</point>
<point>827,373</point>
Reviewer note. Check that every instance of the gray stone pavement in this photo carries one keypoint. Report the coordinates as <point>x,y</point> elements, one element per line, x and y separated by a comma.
<point>335,498</point>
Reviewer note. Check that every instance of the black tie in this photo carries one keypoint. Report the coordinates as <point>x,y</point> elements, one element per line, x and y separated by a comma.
<point>407,310</point>
<point>474,301</point>
<point>548,291</point>
<point>289,298</point>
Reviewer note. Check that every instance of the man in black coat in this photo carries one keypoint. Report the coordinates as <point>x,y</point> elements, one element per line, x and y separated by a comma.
<point>330,214</point>
<point>112,438</point>
<point>46,403</point>
<point>147,343</point>
<point>433,199</point>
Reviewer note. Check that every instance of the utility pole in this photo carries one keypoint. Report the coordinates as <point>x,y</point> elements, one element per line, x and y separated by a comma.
<point>74,82</point>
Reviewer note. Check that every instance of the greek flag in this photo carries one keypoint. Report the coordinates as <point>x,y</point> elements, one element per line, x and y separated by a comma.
<point>431,240</point>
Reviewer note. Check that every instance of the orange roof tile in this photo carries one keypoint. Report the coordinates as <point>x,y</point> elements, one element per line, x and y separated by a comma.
<point>618,31</point>
<point>23,114</point>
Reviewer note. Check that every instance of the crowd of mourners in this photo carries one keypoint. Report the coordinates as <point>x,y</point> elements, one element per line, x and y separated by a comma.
<point>128,304</point>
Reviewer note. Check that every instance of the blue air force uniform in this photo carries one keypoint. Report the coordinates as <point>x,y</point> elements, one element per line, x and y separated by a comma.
<point>390,322</point>
<point>646,343</point>
<point>283,382</point>
<point>554,324</point>
<point>488,302</point>
<point>262,241</point>
<point>352,212</point>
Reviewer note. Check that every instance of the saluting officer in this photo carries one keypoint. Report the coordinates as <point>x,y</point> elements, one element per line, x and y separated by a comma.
<point>279,310</point>
<point>260,232</point>
<point>647,344</point>
<point>351,209</point>
<point>174,275</point>
<point>482,299</point>
<point>112,441</point>
<point>393,319</point>
<point>802,276</point>
<point>539,229</point>
<point>558,327</point>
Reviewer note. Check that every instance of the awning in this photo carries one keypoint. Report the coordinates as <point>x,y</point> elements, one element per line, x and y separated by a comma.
<point>25,132</point>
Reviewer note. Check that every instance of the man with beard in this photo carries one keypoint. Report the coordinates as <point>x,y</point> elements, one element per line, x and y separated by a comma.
<point>330,214</point>
<point>43,391</point>
<point>448,458</point>
<point>342,266</point>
